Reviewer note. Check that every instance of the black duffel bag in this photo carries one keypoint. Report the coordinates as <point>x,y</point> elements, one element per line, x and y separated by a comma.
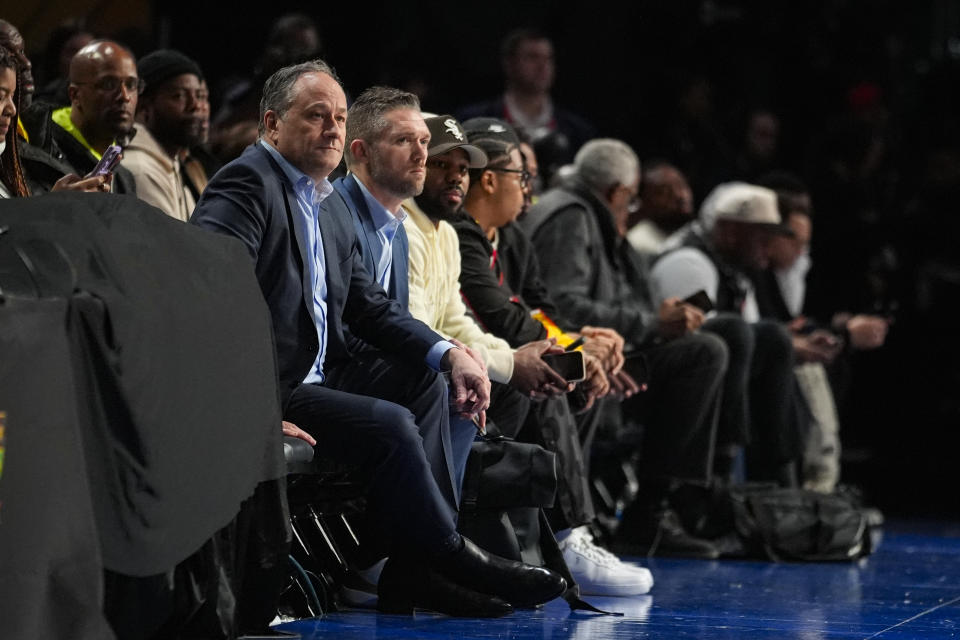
<point>505,486</point>
<point>767,522</point>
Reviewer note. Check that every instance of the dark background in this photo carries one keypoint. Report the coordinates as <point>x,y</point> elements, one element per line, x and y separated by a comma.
<point>868,97</point>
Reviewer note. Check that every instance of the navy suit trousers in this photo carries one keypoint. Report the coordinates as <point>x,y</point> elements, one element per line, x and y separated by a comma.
<point>390,419</point>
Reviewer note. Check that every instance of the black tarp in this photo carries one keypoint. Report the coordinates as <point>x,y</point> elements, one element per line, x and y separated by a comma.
<point>50,566</point>
<point>168,373</point>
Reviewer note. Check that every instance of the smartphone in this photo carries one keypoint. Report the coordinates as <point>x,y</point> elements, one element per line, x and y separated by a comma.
<point>108,162</point>
<point>636,365</point>
<point>700,300</point>
<point>568,364</point>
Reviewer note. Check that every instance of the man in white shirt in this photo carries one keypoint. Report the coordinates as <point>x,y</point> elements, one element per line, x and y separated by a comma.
<point>714,255</point>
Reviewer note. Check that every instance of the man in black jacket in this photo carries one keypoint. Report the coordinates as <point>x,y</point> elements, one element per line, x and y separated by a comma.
<point>104,87</point>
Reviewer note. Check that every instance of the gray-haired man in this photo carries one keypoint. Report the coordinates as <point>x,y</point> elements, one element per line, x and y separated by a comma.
<point>596,278</point>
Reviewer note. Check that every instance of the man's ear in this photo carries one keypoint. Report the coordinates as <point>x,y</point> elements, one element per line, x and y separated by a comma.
<point>488,182</point>
<point>72,91</point>
<point>611,194</point>
<point>359,152</point>
<point>271,123</point>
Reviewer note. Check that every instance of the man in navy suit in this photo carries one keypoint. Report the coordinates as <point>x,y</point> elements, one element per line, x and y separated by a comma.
<point>382,409</point>
<point>386,151</point>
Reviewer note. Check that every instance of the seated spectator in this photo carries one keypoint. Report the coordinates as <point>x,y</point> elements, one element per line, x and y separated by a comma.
<point>14,182</point>
<point>781,290</point>
<point>292,38</point>
<point>64,42</point>
<point>594,277</point>
<point>197,163</point>
<point>666,204</point>
<point>12,41</point>
<point>104,87</point>
<point>713,255</point>
<point>527,61</point>
<point>790,262</point>
<point>385,409</point>
<point>169,123</point>
<point>435,262</point>
<point>386,151</point>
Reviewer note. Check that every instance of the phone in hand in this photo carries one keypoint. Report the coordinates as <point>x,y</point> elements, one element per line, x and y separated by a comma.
<point>108,161</point>
<point>568,364</point>
<point>700,300</point>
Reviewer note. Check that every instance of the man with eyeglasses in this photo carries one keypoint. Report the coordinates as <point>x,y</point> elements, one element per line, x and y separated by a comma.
<point>170,120</point>
<point>495,195</point>
<point>103,91</point>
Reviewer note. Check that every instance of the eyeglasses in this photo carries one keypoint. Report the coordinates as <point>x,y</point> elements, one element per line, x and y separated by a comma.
<point>112,84</point>
<point>523,173</point>
<point>634,204</point>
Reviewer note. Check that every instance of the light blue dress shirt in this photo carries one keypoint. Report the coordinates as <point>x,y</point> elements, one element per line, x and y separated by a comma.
<point>306,217</point>
<point>386,224</point>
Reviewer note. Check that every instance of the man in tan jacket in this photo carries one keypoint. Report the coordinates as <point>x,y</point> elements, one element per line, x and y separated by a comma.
<point>169,121</point>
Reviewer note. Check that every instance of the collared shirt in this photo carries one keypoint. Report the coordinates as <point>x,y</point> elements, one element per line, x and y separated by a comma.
<point>647,238</point>
<point>306,217</point>
<point>387,224</point>
<point>793,283</point>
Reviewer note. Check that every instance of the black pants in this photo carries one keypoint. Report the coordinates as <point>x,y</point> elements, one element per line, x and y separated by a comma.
<point>679,410</point>
<point>758,407</point>
<point>551,424</point>
<point>391,419</point>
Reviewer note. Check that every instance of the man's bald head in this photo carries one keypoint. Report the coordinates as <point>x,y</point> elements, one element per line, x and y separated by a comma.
<point>90,58</point>
<point>103,91</point>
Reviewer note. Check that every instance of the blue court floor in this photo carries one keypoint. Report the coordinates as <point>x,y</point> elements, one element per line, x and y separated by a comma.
<point>908,589</point>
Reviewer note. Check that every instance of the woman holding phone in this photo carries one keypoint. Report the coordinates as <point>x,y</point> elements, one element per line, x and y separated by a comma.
<point>13,183</point>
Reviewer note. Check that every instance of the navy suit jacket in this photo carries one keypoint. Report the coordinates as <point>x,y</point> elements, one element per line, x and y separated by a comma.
<point>352,203</point>
<point>252,199</point>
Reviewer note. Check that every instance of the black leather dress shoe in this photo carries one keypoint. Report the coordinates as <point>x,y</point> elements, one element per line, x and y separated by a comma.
<point>406,585</point>
<point>522,585</point>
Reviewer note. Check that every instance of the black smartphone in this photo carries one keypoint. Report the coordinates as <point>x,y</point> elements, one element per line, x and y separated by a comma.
<point>636,365</point>
<point>700,300</point>
<point>568,364</point>
<point>108,161</point>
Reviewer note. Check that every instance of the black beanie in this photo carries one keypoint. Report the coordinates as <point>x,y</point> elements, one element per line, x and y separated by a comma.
<point>163,64</point>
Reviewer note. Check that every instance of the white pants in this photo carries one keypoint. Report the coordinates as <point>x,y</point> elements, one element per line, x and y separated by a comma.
<point>821,458</point>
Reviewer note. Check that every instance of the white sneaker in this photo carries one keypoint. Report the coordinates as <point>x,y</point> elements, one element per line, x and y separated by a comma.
<point>599,572</point>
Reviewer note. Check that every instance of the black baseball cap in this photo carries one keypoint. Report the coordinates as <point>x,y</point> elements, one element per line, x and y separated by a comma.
<point>491,129</point>
<point>447,134</point>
